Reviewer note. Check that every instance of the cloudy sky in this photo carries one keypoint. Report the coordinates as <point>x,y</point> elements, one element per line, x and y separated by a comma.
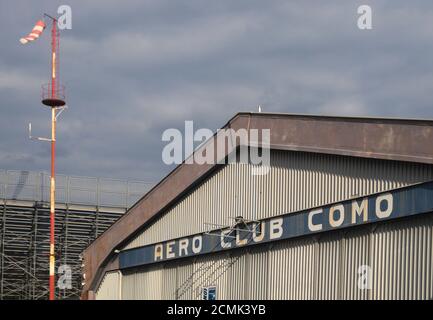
<point>135,68</point>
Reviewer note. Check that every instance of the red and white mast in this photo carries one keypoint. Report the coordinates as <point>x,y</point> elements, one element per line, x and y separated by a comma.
<point>53,96</point>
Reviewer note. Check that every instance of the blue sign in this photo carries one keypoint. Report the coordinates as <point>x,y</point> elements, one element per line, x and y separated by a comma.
<point>407,201</point>
<point>209,293</point>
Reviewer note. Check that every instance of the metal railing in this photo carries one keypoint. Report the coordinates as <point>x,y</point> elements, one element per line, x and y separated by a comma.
<point>34,186</point>
<point>48,93</point>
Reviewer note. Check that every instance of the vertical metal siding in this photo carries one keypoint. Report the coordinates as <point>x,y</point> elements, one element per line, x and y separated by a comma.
<point>257,283</point>
<point>356,253</point>
<point>296,181</point>
<point>402,265</point>
<point>184,273</point>
<point>128,286</point>
<point>323,266</point>
<point>237,276</point>
<point>143,285</point>
<point>291,271</point>
<point>169,282</point>
<point>328,265</point>
<point>109,289</point>
<point>211,270</point>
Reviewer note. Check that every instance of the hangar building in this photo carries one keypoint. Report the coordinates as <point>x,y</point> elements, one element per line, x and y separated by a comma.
<point>345,211</point>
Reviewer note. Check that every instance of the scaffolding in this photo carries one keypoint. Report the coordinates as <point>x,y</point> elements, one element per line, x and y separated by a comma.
<point>85,208</point>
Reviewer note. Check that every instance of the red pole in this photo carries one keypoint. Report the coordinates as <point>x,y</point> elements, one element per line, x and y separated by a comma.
<point>53,158</point>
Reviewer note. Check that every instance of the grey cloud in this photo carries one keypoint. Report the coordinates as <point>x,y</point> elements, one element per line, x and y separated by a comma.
<point>136,68</point>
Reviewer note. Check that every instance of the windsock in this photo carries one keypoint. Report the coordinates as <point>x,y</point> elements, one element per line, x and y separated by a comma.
<point>36,32</point>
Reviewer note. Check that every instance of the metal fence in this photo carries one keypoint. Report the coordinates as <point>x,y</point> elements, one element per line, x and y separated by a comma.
<point>35,186</point>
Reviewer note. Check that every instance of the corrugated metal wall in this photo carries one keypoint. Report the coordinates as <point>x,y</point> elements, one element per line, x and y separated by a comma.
<point>109,288</point>
<point>398,253</point>
<point>296,181</point>
<point>144,286</point>
<point>403,256</point>
<point>326,266</point>
<point>257,284</point>
<point>356,252</point>
<point>291,270</point>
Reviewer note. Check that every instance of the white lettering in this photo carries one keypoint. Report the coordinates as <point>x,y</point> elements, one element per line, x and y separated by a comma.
<point>189,142</point>
<point>197,244</point>
<point>65,280</point>
<point>365,278</point>
<point>183,246</point>
<point>65,20</point>
<point>276,228</point>
<point>358,210</point>
<point>336,208</point>
<point>314,227</point>
<point>170,253</point>
<point>259,232</point>
<point>205,152</point>
<point>381,214</point>
<point>158,252</point>
<point>365,18</point>
<point>172,152</point>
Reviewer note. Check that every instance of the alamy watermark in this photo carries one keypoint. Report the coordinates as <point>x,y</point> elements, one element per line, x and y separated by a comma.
<point>365,277</point>
<point>64,21</point>
<point>226,146</point>
<point>365,19</point>
<point>64,281</point>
